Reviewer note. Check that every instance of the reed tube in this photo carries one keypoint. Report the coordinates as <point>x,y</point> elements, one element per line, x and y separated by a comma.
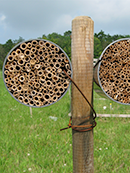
<point>32,72</point>
<point>111,72</point>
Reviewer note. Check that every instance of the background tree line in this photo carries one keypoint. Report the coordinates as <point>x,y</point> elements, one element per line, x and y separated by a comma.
<point>101,40</point>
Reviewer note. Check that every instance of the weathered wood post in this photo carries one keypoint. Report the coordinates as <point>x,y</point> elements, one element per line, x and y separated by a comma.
<point>82,64</point>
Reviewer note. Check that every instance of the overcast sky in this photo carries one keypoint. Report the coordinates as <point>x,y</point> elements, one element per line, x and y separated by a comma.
<point>33,18</point>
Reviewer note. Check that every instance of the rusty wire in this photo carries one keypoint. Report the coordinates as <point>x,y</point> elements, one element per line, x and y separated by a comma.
<point>85,127</point>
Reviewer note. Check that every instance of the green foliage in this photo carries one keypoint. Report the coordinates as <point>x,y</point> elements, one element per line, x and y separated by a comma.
<point>8,45</point>
<point>97,47</point>
<point>2,55</point>
<point>101,40</point>
<point>18,40</point>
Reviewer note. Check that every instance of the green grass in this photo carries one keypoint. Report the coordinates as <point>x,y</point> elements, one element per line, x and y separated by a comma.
<point>34,143</point>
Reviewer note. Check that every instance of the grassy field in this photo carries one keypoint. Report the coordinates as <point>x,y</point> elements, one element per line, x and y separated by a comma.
<point>34,143</point>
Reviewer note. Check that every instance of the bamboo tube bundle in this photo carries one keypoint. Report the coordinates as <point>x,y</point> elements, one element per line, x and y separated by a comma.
<point>33,73</point>
<point>112,70</point>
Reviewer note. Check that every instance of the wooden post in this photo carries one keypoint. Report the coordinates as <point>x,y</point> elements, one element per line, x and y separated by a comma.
<point>82,64</point>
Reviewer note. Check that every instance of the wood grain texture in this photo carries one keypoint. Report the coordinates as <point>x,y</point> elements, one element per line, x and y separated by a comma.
<point>82,64</point>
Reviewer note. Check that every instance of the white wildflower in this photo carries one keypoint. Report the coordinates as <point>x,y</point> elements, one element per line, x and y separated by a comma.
<point>29,169</point>
<point>104,107</point>
<point>53,118</point>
